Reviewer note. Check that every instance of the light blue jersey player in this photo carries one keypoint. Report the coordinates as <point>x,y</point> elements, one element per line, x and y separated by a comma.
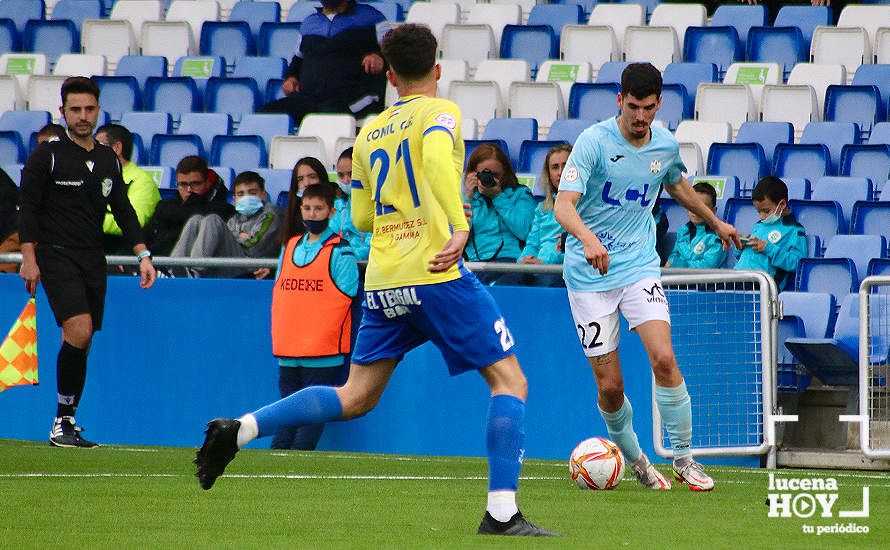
<point>605,200</point>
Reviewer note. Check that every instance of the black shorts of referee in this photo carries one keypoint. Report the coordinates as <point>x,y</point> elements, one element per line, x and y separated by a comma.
<point>74,280</point>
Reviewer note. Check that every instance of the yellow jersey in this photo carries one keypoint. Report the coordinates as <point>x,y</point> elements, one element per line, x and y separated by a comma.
<point>406,188</point>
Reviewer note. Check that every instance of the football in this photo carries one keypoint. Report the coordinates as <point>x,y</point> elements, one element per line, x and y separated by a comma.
<point>596,463</point>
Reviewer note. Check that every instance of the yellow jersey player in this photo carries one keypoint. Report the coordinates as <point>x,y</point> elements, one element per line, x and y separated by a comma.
<point>406,189</point>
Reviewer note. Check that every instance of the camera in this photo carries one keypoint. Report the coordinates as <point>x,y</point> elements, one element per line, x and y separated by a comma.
<point>486,178</point>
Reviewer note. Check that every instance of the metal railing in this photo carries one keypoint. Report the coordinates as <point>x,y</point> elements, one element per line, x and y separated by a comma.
<point>874,366</point>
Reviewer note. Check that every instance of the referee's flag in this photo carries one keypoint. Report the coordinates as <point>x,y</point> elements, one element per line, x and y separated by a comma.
<point>18,354</point>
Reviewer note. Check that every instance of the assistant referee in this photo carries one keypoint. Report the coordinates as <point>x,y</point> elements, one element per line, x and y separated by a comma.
<point>66,185</point>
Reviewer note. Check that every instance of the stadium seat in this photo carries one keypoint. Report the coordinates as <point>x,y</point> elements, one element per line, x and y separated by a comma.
<point>161,175</point>
<point>872,218</point>
<point>690,75</point>
<point>879,266</point>
<point>617,16</point>
<point>657,45</point>
<point>77,11</point>
<point>880,134</point>
<point>470,145</point>
<point>513,131</point>
<point>148,124</point>
<point>741,18</point>
<point>392,11</point>
<point>200,68</point>
<point>240,152</point>
<point>870,18</point>
<point>471,43</point>
<point>564,74</point>
<point>542,101</point>
<point>839,46</point>
<point>844,190</point>
<point>674,212</point>
<point>859,104</point>
<point>802,160</point>
<point>120,94</point>
<point>593,101</point>
<point>255,14</point>
<point>137,12</point>
<point>810,315</point>
<point>819,77</point>
<point>111,38</point>
<point>675,105</point>
<point>51,38</point>
<point>797,104</point>
<point>26,123</point>
<point>265,125</point>
<point>568,129</point>
<point>860,249</point>
<point>691,155</point>
<point>532,154</point>
<point>730,103</point>
<point>593,44</point>
<point>193,12</point>
<point>882,46</point>
<point>806,18</point>
<point>725,186</point>
<point>868,161</point>
<point>80,64</point>
<point>236,96</point>
<point>610,72</point>
<point>703,134</point>
<point>228,39</point>
<point>833,135</point>
<point>14,171</point>
<point>451,70</point>
<point>175,95</point>
<point>746,161</point>
<point>435,15</point>
<point>798,189</point>
<point>556,16</point>
<point>206,126</point>
<point>503,72</point>
<point>717,45</point>
<point>783,45</point>
<point>277,181</point>
<point>171,39</point>
<point>825,219</point>
<point>301,10</point>
<point>43,93</point>
<point>141,67</point>
<point>497,15</point>
<point>9,37</point>
<point>22,11</point>
<point>742,214</point>
<point>169,149</point>
<point>261,69</point>
<point>875,75</point>
<point>679,17</point>
<point>12,148</point>
<point>533,43</point>
<point>767,134</point>
<point>478,100</point>
<point>287,150</point>
<point>278,39</point>
<point>754,75</point>
<point>329,127</point>
<point>10,94</point>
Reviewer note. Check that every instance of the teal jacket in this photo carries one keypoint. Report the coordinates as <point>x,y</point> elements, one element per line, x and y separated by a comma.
<point>786,244</point>
<point>360,241</point>
<point>542,239</point>
<point>697,246</point>
<point>500,226</point>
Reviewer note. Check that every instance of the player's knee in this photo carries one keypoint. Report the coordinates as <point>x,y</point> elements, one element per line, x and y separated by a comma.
<point>79,335</point>
<point>357,404</point>
<point>664,363</point>
<point>611,392</point>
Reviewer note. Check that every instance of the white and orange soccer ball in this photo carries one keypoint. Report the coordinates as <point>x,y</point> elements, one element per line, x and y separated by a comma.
<point>596,463</point>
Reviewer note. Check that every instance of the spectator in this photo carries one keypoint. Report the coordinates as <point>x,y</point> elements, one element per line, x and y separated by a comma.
<point>661,229</point>
<point>307,171</point>
<point>697,245</point>
<point>777,242</point>
<point>50,131</point>
<point>502,210</point>
<point>336,67</point>
<point>142,191</point>
<point>250,233</point>
<point>360,241</point>
<point>311,350</point>
<point>201,191</point>
<point>9,220</point>
<point>541,245</point>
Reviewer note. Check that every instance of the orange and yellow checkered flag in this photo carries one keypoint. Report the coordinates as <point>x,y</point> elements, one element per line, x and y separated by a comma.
<point>18,354</point>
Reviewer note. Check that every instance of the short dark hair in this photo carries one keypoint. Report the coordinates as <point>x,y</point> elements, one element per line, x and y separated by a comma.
<point>118,134</point>
<point>51,130</point>
<point>347,153</point>
<point>640,80</point>
<point>772,188</point>
<point>79,85</point>
<point>249,176</point>
<point>707,189</point>
<point>410,50</point>
<point>320,191</point>
<point>192,163</point>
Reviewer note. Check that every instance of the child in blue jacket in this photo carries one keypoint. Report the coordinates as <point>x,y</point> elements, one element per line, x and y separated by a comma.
<point>697,245</point>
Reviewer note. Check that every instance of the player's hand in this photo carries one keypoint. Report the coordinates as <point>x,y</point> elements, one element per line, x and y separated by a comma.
<point>530,260</point>
<point>261,273</point>
<point>728,234</point>
<point>755,244</point>
<point>147,273</point>
<point>30,273</point>
<point>450,253</point>
<point>372,63</point>
<point>290,85</point>
<point>596,255</point>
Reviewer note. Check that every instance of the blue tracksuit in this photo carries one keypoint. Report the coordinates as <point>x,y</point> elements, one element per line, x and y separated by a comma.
<point>786,244</point>
<point>500,226</point>
<point>697,246</point>
<point>542,239</point>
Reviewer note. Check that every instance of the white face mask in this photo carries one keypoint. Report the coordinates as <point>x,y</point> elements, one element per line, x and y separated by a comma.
<point>774,217</point>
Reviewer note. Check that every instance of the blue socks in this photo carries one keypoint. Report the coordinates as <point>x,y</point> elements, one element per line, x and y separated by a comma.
<point>621,430</point>
<point>312,405</point>
<point>675,408</point>
<point>505,439</point>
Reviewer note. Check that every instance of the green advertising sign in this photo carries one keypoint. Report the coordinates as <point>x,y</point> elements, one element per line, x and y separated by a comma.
<point>717,183</point>
<point>751,75</point>
<point>198,68</point>
<point>20,65</point>
<point>155,174</point>
<point>527,180</point>
<point>563,73</point>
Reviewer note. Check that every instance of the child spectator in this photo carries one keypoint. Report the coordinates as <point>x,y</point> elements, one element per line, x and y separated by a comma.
<point>317,272</point>
<point>360,241</point>
<point>777,242</point>
<point>697,245</point>
<point>540,247</point>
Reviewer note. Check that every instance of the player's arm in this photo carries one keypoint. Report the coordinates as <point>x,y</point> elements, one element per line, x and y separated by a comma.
<point>566,212</point>
<point>684,194</point>
<point>35,178</point>
<point>362,198</point>
<point>444,182</point>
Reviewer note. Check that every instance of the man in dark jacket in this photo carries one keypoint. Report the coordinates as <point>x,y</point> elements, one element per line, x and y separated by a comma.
<point>337,67</point>
<point>201,191</point>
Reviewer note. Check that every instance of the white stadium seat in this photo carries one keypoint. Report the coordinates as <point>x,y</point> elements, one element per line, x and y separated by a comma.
<point>497,16</point>
<point>23,66</point>
<point>434,15</point>
<point>796,104</point>
<point>703,134</point>
<point>691,155</point>
<point>285,151</point>
<point>819,77</point>
<point>564,74</point>
<point>479,100</point>
<point>193,12</point>
<point>657,45</point>
<point>330,128</point>
<point>451,70</point>
<point>680,17</point>
<point>539,100</point>
<point>137,12</point>
<point>755,75</point>
<point>618,16</point>
<point>111,38</point>
<point>43,94</point>
<point>80,64</point>
<point>730,103</point>
<point>592,44</point>
<point>472,43</point>
<point>849,47</point>
<point>870,18</point>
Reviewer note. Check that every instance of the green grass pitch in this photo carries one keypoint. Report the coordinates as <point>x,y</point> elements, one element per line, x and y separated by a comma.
<point>128,497</point>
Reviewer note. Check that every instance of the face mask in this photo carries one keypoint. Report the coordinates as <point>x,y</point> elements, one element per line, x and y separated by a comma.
<point>772,218</point>
<point>316,227</point>
<point>248,205</point>
<point>345,187</point>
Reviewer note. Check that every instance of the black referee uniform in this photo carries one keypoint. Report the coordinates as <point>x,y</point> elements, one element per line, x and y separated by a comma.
<point>65,190</point>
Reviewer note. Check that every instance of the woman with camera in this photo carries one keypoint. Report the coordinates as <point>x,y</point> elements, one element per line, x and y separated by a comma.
<point>502,210</point>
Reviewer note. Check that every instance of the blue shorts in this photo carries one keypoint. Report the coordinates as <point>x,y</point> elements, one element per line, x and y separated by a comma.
<point>460,317</point>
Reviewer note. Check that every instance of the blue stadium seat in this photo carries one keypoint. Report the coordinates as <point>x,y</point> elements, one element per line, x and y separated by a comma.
<point>265,125</point>
<point>142,67</point>
<point>279,39</point>
<point>767,134</point>
<point>815,309</point>
<point>802,160</point>
<point>12,148</point>
<point>175,95</point>
<point>586,5</point>
<point>879,266</point>
<point>718,45</point>
<point>255,14</point>
<point>610,72</point>
<point>9,36</point>
<point>513,131</point>
<point>843,190</point>
<point>798,188</point>
<point>741,18</point>
<point>790,377</point>
<point>674,212</point>
<point>471,144</point>
<point>875,75</point>
<point>52,38</point>
<point>261,69</point>
<point>746,161</point>
<point>833,135</point>
<point>806,18</point>
<point>22,11</point>
<point>277,181</point>
<point>228,39</point>
<point>14,171</point>
<point>200,68</point>
<point>859,104</point>
<point>835,276</point>
<point>675,105</point>
<point>532,154</point>
<point>825,219</point>
<point>120,94</point>
<point>301,10</point>
<point>392,11</point>
<point>148,124</point>
<point>26,123</point>
<point>872,218</point>
<point>880,133</point>
<point>77,10</point>
<point>273,90</point>
<point>742,214</point>
<point>556,16</point>
<point>534,43</point>
<point>593,101</point>
<point>235,96</point>
<point>782,45</point>
<point>162,175</point>
<point>568,129</point>
<point>239,152</point>
<point>206,126</point>
<point>868,161</point>
<point>169,149</point>
<point>690,75</point>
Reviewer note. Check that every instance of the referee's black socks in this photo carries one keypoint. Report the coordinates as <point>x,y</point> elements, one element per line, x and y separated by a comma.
<point>71,373</point>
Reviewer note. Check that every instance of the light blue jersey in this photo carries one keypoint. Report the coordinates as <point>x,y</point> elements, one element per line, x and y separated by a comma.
<point>618,184</point>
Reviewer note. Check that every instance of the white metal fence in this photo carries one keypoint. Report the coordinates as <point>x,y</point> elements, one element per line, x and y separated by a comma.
<point>874,366</point>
